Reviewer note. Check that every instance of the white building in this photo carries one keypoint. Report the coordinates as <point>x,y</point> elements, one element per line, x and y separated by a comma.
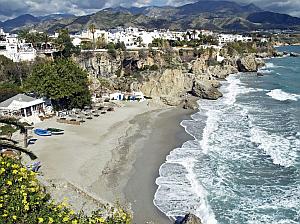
<point>135,38</point>
<point>22,106</point>
<point>228,38</point>
<point>16,50</point>
<point>116,96</point>
<point>88,35</point>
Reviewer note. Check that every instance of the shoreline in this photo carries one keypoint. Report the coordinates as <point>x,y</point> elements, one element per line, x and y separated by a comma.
<point>166,135</point>
<point>97,162</point>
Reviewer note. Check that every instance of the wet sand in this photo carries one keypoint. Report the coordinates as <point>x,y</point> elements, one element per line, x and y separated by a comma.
<point>166,134</point>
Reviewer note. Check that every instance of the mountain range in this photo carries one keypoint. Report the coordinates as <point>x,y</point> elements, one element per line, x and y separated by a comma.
<point>213,15</point>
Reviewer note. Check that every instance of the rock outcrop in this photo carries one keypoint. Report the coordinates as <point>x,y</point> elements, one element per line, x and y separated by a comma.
<point>247,64</point>
<point>294,54</point>
<point>221,72</point>
<point>168,83</point>
<point>199,66</point>
<point>171,101</point>
<point>204,89</point>
<point>189,219</point>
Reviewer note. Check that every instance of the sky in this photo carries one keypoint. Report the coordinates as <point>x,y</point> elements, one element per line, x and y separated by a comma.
<point>12,8</point>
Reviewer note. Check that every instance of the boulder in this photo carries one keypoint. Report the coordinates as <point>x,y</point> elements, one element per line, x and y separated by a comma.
<point>189,219</point>
<point>191,103</point>
<point>260,63</point>
<point>221,72</point>
<point>171,101</point>
<point>247,64</point>
<point>205,90</point>
<point>199,66</point>
<point>263,55</point>
<point>278,54</point>
<point>294,54</point>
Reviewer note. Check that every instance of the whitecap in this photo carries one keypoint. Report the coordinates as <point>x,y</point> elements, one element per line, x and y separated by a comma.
<point>283,151</point>
<point>266,71</point>
<point>280,95</point>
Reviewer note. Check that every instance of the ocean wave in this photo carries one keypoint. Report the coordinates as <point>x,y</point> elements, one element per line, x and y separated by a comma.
<point>266,71</point>
<point>271,65</point>
<point>280,95</point>
<point>282,150</point>
<point>179,191</point>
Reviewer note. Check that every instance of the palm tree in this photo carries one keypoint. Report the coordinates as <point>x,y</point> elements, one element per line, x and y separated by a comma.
<point>23,35</point>
<point>45,39</point>
<point>11,144</point>
<point>92,29</point>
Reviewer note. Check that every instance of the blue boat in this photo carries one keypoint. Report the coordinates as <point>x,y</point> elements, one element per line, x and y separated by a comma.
<point>42,132</point>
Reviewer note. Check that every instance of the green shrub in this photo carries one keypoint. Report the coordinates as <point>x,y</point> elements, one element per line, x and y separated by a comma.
<point>24,200</point>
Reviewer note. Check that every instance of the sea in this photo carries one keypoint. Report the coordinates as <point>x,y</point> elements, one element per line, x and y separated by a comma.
<point>243,166</point>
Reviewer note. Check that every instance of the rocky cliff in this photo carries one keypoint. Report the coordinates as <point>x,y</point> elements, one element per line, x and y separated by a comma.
<point>165,76</point>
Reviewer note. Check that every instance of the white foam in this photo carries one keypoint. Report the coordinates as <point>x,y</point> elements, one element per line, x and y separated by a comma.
<point>271,65</point>
<point>266,71</point>
<point>280,95</point>
<point>211,126</point>
<point>283,151</point>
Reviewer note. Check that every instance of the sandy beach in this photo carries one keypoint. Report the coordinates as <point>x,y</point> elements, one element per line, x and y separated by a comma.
<point>115,157</point>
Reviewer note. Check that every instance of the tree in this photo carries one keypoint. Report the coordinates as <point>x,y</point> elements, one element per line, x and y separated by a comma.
<point>62,81</point>
<point>92,29</point>
<point>111,50</point>
<point>11,144</point>
<point>44,37</point>
<point>140,41</point>
<point>101,42</point>
<point>64,44</point>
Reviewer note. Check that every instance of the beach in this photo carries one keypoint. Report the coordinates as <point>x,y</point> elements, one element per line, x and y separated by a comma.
<point>115,157</point>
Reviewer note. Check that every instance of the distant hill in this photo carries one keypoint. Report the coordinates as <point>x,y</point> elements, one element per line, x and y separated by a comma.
<point>19,21</point>
<point>204,14</point>
<point>29,21</point>
<point>226,7</point>
<point>273,18</point>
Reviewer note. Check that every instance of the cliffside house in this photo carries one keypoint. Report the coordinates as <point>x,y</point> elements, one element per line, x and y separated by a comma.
<point>22,105</point>
<point>116,96</point>
<point>14,49</point>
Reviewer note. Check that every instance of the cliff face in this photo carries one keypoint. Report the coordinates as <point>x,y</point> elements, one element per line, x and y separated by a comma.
<point>165,76</point>
<point>170,82</point>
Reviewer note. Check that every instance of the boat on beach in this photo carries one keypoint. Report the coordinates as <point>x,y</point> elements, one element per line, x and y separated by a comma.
<point>56,131</point>
<point>42,132</point>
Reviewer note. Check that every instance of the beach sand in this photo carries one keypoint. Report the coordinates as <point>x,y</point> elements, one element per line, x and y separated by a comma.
<point>114,157</point>
<point>166,134</point>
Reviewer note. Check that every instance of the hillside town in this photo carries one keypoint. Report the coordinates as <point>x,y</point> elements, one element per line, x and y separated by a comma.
<point>14,47</point>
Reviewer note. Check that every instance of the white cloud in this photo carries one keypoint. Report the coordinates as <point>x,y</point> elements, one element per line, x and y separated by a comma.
<point>13,8</point>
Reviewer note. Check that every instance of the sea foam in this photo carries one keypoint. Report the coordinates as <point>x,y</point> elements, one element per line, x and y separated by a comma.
<point>280,95</point>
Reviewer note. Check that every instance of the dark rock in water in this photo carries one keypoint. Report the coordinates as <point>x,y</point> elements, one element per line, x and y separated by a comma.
<point>247,64</point>
<point>188,219</point>
<point>205,90</point>
<point>260,74</point>
<point>263,55</point>
<point>294,54</point>
<point>278,54</point>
